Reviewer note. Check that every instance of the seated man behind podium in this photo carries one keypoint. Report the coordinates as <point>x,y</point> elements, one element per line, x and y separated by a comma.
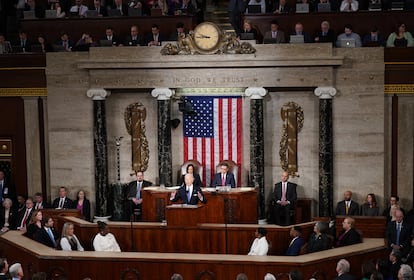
<point>189,193</point>
<point>224,177</point>
<point>135,193</point>
<point>62,202</point>
<point>284,197</point>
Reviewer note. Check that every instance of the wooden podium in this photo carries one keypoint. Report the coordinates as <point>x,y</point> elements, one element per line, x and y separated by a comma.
<point>184,215</point>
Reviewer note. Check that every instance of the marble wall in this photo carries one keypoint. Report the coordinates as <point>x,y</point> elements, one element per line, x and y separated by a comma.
<point>358,115</point>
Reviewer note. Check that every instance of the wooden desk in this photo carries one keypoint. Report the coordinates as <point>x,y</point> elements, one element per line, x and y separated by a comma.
<point>373,227</point>
<point>57,215</point>
<point>107,265</point>
<point>239,206</point>
<point>184,215</point>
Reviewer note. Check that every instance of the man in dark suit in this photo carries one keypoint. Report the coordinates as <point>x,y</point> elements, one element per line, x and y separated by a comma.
<point>224,177</point>
<point>235,9</point>
<point>342,268</point>
<point>347,206</point>
<point>399,234</point>
<point>154,38</point>
<point>119,5</point>
<point>6,190</point>
<point>39,203</point>
<point>135,39</point>
<point>135,195</point>
<point>47,235</point>
<point>110,36</point>
<point>349,235</point>
<point>394,203</point>
<point>62,201</point>
<point>284,198</point>
<point>296,242</point>
<point>24,217</point>
<point>325,34</point>
<point>189,193</point>
<point>97,5</point>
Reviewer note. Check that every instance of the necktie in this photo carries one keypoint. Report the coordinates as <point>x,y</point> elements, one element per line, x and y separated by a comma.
<point>223,180</point>
<point>26,214</point>
<point>346,207</point>
<point>49,231</point>
<point>138,195</point>
<point>273,34</point>
<point>65,45</point>
<point>284,192</point>
<point>397,240</point>
<point>350,7</point>
<point>61,203</point>
<point>189,193</point>
<point>1,191</point>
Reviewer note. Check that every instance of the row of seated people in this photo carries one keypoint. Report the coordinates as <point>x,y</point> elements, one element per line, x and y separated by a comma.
<point>347,38</point>
<point>18,213</point>
<point>60,9</point>
<point>306,6</point>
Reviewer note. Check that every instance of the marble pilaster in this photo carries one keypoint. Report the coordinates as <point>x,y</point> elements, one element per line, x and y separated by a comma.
<point>163,96</point>
<point>325,95</point>
<point>256,177</point>
<point>102,191</point>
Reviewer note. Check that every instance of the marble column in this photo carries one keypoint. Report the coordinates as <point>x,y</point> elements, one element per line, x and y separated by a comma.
<point>325,95</point>
<point>256,177</point>
<point>163,96</point>
<point>102,191</point>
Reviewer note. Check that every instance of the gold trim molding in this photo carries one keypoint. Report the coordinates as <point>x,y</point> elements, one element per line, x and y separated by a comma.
<point>399,89</point>
<point>23,92</point>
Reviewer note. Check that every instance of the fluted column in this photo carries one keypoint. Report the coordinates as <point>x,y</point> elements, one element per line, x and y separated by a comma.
<point>163,96</point>
<point>325,95</point>
<point>98,96</point>
<point>256,177</point>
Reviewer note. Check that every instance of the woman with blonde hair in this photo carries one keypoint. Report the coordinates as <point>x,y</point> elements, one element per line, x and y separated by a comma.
<point>69,241</point>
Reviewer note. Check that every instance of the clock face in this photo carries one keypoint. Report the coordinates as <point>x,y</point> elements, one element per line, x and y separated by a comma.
<point>207,36</point>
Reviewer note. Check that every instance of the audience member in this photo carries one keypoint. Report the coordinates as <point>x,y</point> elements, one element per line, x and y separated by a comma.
<point>248,28</point>
<point>284,198</point>
<point>376,276</point>
<point>135,39</point>
<point>235,9</point>
<point>62,202</point>
<point>47,235</point>
<point>21,204</point>
<point>135,195</point>
<point>405,272</point>
<point>349,34</point>
<point>367,268</point>
<point>60,12</point>
<point>97,6</point>
<point>269,276</point>
<point>260,245</point>
<point>299,31</point>
<point>39,202</point>
<point>110,36</point>
<point>39,276</point>
<point>25,216</point>
<point>295,275</point>
<point>119,5</point>
<point>395,260</point>
<point>84,43</point>
<point>187,8</point>
<point>189,193</point>
<point>105,241</point>
<point>69,241</point>
<point>242,276</point>
<point>389,212</point>
<point>224,177</point>
<point>190,170</point>
<point>281,7</point>
<point>349,6</point>
<point>79,8</point>
<point>342,268</point>
<point>296,242</point>
<point>383,268</point>
<point>8,216</point>
<point>347,206</point>
<point>24,43</point>
<point>262,4</point>
<point>398,234</point>
<point>370,207</point>
<point>5,47</point>
<point>64,44</point>
<point>349,235</point>
<point>83,205</point>
<point>176,276</point>
<point>373,39</point>
<point>35,223</point>
<point>155,38</point>
<point>274,36</point>
<point>16,271</point>
<point>318,241</point>
<point>6,189</point>
<point>400,37</point>
<point>325,34</point>
<point>4,269</point>
<point>179,33</point>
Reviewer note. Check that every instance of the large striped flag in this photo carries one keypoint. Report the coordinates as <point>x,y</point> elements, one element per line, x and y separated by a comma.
<point>213,133</point>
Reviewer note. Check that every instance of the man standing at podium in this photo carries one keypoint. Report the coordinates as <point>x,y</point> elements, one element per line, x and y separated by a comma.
<point>189,193</point>
<point>224,177</point>
<point>284,196</point>
<point>135,195</point>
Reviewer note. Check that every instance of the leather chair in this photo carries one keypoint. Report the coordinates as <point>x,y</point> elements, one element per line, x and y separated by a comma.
<point>233,168</point>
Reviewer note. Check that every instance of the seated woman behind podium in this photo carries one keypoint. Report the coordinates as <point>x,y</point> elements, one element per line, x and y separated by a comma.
<point>69,241</point>
<point>190,170</point>
<point>189,193</point>
<point>105,241</point>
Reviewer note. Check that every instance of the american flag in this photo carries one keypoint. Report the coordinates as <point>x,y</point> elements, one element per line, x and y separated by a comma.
<point>213,133</point>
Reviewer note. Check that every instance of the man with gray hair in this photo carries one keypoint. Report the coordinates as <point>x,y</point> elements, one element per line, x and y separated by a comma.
<point>176,276</point>
<point>405,272</point>
<point>241,276</point>
<point>16,271</point>
<point>342,268</point>
<point>269,276</point>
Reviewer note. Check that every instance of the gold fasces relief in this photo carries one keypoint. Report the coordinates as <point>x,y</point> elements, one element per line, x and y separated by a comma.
<point>134,116</point>
<point>207,38</point>
<point>293,118</point>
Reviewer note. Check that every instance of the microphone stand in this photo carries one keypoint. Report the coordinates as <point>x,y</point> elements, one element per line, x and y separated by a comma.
<point>226,217</point>
<point>131,219</point>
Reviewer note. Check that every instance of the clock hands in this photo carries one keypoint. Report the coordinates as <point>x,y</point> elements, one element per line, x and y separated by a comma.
<point>202,36</point>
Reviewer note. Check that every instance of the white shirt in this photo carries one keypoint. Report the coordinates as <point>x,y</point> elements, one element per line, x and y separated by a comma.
<point>64,243</point>
<point>106,243</point>
<point>259,247</point>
